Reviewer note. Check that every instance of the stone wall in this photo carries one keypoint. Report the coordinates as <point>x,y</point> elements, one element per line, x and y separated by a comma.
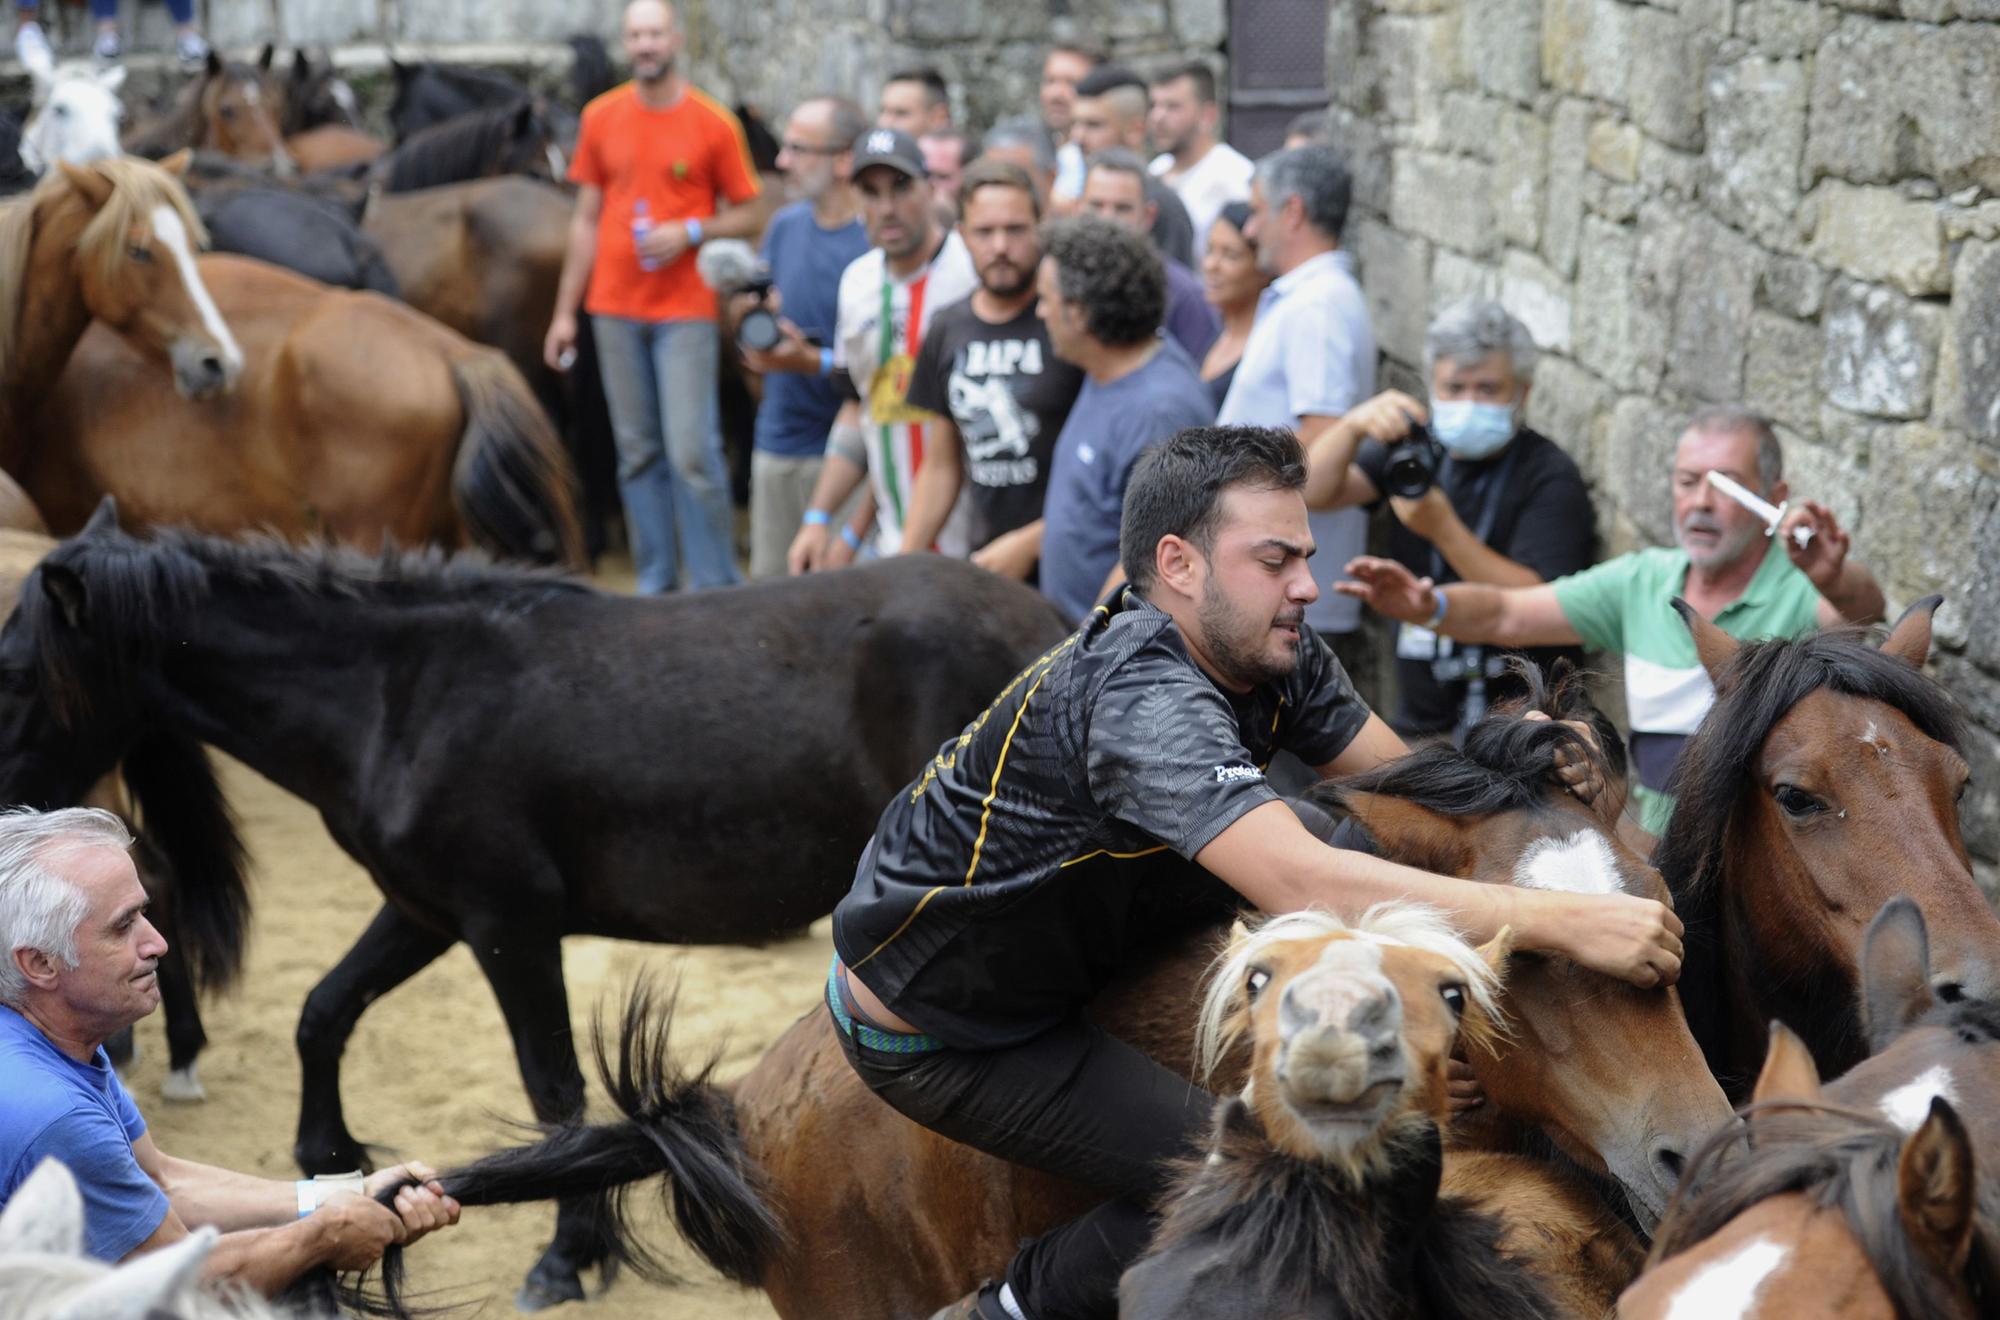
<point>1779,201</point>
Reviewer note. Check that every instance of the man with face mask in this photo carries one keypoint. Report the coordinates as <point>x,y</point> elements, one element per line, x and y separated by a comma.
<point>1752,585</point>
<point>1507,507</point>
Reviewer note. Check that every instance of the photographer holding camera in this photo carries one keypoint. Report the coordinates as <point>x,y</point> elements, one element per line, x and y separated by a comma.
<point>1478,497</point>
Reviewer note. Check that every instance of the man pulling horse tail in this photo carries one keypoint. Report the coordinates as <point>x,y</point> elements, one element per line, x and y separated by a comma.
<point>1049,846</point>
<point>512,479</point>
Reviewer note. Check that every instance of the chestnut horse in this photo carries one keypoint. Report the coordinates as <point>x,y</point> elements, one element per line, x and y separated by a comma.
<point>1823,783</point>
<point>350,417</point>
<point>231,107</point>
<point>1876,1195</point>
<point>1319,1193</point>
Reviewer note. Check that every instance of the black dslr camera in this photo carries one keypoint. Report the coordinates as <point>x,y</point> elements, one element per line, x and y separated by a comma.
<point>1413,462</point>
<point>758,329</point>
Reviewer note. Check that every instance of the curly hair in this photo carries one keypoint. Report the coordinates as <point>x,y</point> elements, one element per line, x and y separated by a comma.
<point>1112,273</point>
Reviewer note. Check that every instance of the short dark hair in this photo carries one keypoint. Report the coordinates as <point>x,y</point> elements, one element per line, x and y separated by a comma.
<point>1308,124</point>
<point>1176,489</point>
<point>936,90</point>
<point>1736,419</point>
<point>1095,55</point>
<point>1112,273</point>
<point>1315,175</point>
<point>996,174</point>
<point>1119,160</point>
<point>1109,78</point>
<point>1195,72</point>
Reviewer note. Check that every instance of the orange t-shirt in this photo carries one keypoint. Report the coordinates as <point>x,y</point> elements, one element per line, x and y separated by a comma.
<point>677,160</point>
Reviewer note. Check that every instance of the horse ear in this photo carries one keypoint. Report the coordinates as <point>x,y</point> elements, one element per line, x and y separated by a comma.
<point>213,67</point>
<point>1496,951</point>
<point>104,518</point>
<point>96,189</point>
<point>1935,1185</point>
<point>524,118</point>
<point>1412,834</point>
<point>266,55</point>
<point>149,1286</point>
<point>301,66</point>
<point>1789,1071</point>
<point>1714,647</point>
<point>1910,640</point>
<point>64,587</point>
<point>403,72</point>
<point>45,1215</point>
<point>1895,972</point>
<point>111,79</point>
<point>177,164</point>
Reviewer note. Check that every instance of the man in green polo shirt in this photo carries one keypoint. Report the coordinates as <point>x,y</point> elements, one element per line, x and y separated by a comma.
<point>1752,585</point>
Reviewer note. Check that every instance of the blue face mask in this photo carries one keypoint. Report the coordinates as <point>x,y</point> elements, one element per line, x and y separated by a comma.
<point>1472,431</point>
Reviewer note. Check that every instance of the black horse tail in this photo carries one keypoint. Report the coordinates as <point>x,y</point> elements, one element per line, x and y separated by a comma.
<point>513,482</point>
<point>677,1125</point>
<point>183,815</point>
<point>590,72</point>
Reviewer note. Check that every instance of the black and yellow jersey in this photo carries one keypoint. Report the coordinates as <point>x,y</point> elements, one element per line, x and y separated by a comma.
<point>1047,842</point>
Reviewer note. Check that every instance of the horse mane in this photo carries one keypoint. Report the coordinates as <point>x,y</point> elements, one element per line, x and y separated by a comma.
<point>458,149</point>
<point>17,238</point>
<point>1762,682</point>
<point>1413,924</point>
<point>1506,762</point>
<point>1843,1160</point>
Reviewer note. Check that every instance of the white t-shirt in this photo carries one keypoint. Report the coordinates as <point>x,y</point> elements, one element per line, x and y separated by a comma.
<point>880,363</point>
<point>1216,180</point>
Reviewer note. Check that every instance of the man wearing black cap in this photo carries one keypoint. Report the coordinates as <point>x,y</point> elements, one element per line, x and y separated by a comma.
<point>887,296</point>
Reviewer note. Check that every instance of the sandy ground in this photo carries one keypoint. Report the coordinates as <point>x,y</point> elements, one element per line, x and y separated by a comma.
<point>430,1073</point>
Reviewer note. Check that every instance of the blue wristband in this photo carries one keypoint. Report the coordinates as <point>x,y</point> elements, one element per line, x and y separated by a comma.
<point>826,362</point>
<point>694,233</point>
<point>816,518</point>
<point>1443,604</point>
<point>847,535</point>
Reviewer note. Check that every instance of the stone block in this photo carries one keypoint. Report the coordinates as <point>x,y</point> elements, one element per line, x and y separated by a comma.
<point>1586,47</point>
<point>1571,407</point>
<point>1500,45</point>
<point>1613,150</point>
<point>1203,24</point>
<point>1455,278</point>
<point>1712,313</point>
<point>1413,61</point>
<point>1980,221</point>
<point>1788,28</point>
<point>1878,234</point>
<point>1835,471</point>
<point>1975,342</point>
<point>1881,350</point>
<point>1983,622</point>
<point>1791,285</point>
<point>1616,202</point>
<point>1926,495</point>
<point>1665,172</point>
<point>1978,8</point>
<point>1395,277</point>
<point>1447,199</point>
<point>1665,91</point>
<point>1365,148</point>
<point>1638,464</point>
<point>1781,371</point>
<point>1349,74</point>
<point>1615,336</point>
<point>1893,101</point>
<point>1538,298</point>
<point>1756,123</point>
<point>1979,811</point>
<point>1520,166</point>
<point>1467,123</point>
<point>1562,220</point>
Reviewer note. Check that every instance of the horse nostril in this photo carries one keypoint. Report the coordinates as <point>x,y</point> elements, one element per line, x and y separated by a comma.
<point>1671,1163</point>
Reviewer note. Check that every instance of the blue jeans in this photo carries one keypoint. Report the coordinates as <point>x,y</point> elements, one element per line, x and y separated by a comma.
<point>659,383</point>
<point>181,11</point>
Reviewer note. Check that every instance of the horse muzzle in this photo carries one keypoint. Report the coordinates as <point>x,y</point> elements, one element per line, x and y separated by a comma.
<point>1342,1046</point>
<point>204,371</point>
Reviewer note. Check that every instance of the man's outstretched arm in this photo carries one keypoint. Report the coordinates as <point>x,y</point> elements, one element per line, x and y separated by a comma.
<point>1473,611</point>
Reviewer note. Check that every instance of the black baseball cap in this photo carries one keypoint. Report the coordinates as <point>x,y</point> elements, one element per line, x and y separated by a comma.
<point>891,147</point>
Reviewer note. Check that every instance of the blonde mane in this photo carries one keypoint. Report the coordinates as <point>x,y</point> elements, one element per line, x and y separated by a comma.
<point>1414,925</point>
<point>137,187</point>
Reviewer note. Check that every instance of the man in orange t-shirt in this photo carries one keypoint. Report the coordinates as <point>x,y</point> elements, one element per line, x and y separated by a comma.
<point>652,158</point>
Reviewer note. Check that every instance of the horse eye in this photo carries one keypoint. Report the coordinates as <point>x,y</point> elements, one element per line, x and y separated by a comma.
<point>59,111</point>
<point>1454,998</point>
<point>229,112</point>
<point>1796,802</point>
<point>1259,978</point>
<point>138,253</point>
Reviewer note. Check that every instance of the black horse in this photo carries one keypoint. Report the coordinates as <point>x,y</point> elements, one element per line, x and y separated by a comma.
<point>315,236</point>
<point>512,755</point>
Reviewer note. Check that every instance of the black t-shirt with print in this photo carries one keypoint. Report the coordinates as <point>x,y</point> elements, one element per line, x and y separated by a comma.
<point>1008,396</point>
<point>1053,838</point>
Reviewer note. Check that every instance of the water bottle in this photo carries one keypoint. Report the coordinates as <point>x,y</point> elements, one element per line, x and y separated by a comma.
<point>642,224</point>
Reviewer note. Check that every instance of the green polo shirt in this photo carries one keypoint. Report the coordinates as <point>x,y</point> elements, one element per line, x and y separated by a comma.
<point>1625,605</point>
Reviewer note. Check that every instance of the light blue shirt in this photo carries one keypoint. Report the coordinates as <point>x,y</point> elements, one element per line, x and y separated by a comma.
<point>1311,353</point>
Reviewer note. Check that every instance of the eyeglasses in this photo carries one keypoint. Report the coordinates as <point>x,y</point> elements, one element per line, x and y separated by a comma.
<point>809,149</point>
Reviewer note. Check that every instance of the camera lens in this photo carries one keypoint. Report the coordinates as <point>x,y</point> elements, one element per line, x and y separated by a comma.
<point>758,330</point>
<point>1411,469</point>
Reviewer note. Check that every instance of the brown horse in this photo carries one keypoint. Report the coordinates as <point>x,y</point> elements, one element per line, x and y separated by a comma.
<point>353,417</point>
<point>333,147</point>
<point>230,107</point>
<point>1877,1195</point>
<point>1319,1193</point>
<point>1823,783</point>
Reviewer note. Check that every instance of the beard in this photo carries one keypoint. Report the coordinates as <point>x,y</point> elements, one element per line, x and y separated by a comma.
<point>652,69</point>
<point>1003,279</point>
<point>1727,550</point>
<point>1238,644</point>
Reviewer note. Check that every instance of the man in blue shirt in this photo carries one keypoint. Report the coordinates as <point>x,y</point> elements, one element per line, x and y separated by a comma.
<point>1102,294</point>
<point>1311,353</point>
<point>808,244</point>
<point>78,963</point>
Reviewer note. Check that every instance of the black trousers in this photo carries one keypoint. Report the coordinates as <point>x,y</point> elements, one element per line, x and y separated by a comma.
<point>1076,1102</point>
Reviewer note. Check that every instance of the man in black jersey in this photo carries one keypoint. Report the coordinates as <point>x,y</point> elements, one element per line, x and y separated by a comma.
<point>1113,795</point>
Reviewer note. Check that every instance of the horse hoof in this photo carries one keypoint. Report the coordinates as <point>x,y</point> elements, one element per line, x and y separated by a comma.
<point>183,1086</point>
<point>545,1288</point>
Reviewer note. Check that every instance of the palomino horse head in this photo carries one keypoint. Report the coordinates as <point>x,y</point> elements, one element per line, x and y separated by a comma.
<point>1351,1027</point>
<point>135,265</point>
<point>76,115</point>
<point>1824,783</point>
<point>1876,1195</point>
<point>240,108</point>
<point>1610,1072</point>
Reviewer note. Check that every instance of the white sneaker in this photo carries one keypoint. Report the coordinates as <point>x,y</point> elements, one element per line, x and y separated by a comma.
<point>31,46</point>
<point>191,48</point>
<point>107,48</point>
